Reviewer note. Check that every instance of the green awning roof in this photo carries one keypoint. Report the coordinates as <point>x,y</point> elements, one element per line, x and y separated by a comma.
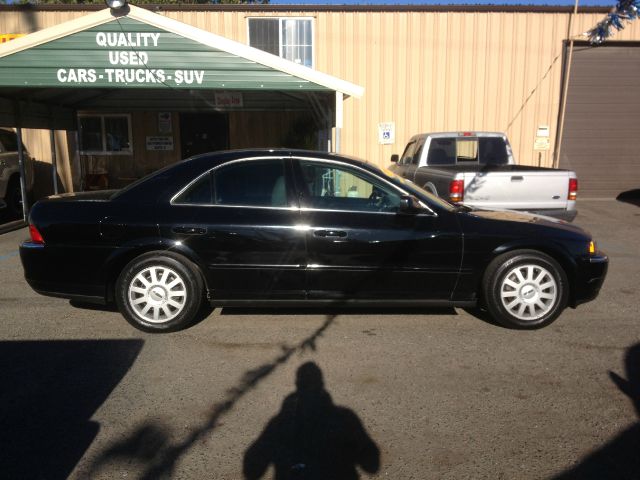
<point>126,53</point>
<point>105,54</point>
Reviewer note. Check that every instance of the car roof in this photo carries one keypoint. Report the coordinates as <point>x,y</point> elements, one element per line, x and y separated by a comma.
<point>189,168</point>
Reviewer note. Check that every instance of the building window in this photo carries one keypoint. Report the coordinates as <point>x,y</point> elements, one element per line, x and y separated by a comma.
<point>105,134</point>
<point>290,38</point>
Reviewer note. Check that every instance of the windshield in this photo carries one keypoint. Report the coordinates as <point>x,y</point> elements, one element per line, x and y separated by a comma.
<point>409,185</point>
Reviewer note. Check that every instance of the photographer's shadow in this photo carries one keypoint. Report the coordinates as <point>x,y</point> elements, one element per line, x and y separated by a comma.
<point>618,459</point>
<point>311,438</point>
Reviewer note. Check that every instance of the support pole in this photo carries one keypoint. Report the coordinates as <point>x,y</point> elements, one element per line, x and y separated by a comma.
<point>565,89</point>
<point>54,163</point>
<point>339,116</point>
<point>23,183</point>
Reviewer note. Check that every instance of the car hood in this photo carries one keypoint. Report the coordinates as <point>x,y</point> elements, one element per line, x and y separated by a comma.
<point>513,216</point>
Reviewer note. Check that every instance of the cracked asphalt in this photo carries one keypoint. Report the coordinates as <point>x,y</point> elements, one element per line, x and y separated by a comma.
<point>400,394</point>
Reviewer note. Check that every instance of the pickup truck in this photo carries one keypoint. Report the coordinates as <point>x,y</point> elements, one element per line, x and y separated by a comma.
<point>478,169</point>
<point>10,193</point>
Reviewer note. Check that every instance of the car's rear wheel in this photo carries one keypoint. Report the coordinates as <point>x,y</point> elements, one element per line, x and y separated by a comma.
<point>159,292</point>
<point>525,289</point>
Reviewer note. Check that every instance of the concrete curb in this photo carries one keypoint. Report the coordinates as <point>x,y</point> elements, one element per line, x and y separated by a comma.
<point>11,226</point>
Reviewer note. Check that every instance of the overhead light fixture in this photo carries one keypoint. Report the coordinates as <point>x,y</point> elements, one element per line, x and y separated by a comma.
<point>115,4</point>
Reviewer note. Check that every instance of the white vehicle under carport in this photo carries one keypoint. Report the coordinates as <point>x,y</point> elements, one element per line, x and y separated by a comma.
<point>10,192</point>
<point>478,169</point>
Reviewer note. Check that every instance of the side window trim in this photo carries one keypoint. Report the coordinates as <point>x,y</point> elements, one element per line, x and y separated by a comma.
<point>289,185</point>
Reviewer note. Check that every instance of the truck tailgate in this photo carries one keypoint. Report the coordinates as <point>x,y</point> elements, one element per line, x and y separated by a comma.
<point>526,190</point>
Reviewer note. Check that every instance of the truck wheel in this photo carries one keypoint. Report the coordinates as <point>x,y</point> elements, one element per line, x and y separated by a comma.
<point>158,292</point>
<point>13,198</point>
<point>525,289</point>
<point>430,187</point>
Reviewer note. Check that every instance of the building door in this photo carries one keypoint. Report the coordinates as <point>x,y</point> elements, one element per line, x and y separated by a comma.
<point>600,140</point>
<point>203,132</point>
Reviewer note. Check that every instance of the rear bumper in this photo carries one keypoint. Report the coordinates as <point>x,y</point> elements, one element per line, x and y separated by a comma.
<point>48,275</point>
<point>590,276</point>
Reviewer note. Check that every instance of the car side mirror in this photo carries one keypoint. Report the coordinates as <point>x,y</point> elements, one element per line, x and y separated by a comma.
<point>409,204</point>
<point>395,158</point>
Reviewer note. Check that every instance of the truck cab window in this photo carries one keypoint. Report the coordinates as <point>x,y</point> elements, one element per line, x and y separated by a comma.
<point>407,155</point>
<point>493,151</point>
<point>442,151</point>
<point>416,156</point>
<point>467,150</point>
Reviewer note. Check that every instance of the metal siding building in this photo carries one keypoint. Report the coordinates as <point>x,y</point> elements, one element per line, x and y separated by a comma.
<point>422,68</point>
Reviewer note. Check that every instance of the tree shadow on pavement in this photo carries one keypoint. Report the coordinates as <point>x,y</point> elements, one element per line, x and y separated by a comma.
<point>49,390</point>
<point>311,438</point>
<point>150,443</point>
<point>618,459</point>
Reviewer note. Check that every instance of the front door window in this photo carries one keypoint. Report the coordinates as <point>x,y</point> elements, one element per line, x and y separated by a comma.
<point>331,187</point>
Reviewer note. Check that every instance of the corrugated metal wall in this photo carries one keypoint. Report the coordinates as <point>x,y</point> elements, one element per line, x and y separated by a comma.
<point>600,139</point>
<point>425,71</point>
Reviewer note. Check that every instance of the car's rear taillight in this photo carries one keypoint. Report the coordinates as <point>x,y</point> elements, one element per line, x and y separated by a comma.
<point>35,235</point>
<point>573,188</point>
<point>456,190</point>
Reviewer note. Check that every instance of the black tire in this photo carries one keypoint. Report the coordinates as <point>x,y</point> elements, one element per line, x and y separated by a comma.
<point>13,198</point>
<point>162,315</point>
<point>431,188</point>
<point>525,289</point>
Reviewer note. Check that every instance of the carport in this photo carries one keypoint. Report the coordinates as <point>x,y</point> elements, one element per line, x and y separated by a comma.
<point>135,60</point>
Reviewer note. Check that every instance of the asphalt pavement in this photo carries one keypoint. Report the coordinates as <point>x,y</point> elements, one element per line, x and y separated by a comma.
<point>398,394</point>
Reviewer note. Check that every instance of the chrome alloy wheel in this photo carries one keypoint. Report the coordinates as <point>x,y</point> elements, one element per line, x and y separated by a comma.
<point>528,292</point>
<point>157,294</point>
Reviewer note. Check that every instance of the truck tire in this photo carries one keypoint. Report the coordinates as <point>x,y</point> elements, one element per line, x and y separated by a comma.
<point>525,289</point>
<point>430,187</point>
<point>13,198</point>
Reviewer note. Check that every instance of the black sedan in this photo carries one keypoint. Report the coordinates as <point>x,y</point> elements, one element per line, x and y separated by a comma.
<point>281,227</point>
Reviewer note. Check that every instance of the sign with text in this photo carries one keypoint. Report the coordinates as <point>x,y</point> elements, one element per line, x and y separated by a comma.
<point>6,37</point>
<point>386,133</point>
<point>129,53</point>
<point>228,99</point>
<point>164,122</point>
<point>159,143</point>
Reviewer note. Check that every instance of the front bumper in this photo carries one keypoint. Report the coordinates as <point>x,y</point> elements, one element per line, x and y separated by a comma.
<point>590,276</point>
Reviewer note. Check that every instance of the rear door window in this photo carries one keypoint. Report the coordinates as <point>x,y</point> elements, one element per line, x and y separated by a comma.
<point>259,183</point>
<point>254,183</point>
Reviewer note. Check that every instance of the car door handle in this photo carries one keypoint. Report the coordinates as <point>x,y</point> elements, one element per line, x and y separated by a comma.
<point>189,230</point>
<point>330,233</point>
<point>517,178</point>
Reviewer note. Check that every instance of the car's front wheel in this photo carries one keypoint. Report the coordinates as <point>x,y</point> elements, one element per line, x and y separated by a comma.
<point>159,292</point>
<point>525,289</point>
